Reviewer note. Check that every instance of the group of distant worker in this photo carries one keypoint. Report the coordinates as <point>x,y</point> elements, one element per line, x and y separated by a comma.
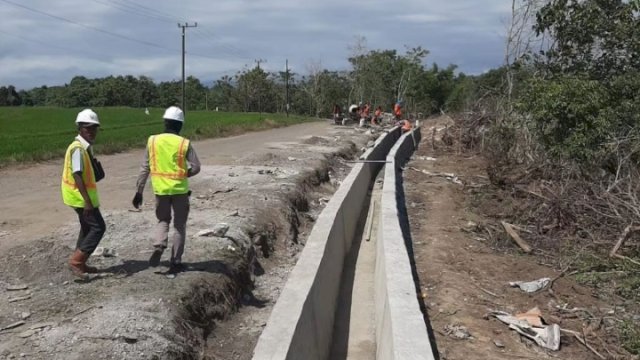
<point>361,114</point>
<point>169,159</point>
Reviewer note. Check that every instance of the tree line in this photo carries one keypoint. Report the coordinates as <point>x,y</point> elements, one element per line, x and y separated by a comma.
<point>381,77</point>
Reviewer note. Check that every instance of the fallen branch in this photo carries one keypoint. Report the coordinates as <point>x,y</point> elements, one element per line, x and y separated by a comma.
<point>625,235</point>
<point>618,256</point>
<point>583,342</point>
<point>489,292</point>
<point>514,235</point>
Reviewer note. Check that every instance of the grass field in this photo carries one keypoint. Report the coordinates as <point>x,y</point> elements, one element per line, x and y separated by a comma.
<point>34,134</point>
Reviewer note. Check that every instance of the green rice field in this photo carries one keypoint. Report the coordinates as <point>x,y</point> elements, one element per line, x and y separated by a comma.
<point>35,134</point>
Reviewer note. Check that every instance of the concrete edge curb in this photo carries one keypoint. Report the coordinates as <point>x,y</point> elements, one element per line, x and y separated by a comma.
<point>401,332</point>
<point>301,323</point>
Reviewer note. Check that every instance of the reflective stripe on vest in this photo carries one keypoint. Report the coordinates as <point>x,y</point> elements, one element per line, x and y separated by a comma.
<point>168,164</point>
<point>70,194</point>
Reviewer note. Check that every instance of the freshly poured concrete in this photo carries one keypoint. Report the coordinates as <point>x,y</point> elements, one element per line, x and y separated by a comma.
<point>401,332</point>
<point>354,334</point>
<point>301,323</point>
<point>303,320</point>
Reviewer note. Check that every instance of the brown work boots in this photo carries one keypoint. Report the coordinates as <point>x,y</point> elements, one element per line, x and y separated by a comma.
<point>78,264</point>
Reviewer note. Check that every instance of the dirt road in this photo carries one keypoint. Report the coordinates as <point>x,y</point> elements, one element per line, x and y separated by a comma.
<point>31,203</point>
<point>264,188</point>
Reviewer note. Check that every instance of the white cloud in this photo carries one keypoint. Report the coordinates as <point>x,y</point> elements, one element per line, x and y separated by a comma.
<point>232,33</point>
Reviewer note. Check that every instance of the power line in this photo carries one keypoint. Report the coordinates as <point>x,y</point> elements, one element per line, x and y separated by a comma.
<point>131,10</point>
<point>87,26</point>
<point>149,10</point>
<point>102,30</point>
<point>94,56</point>
<point>168,17</point>
<point>228,50</point>
<point>160,16</point>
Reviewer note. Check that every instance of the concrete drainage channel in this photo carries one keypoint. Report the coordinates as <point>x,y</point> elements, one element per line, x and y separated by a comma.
<point>303,321</point>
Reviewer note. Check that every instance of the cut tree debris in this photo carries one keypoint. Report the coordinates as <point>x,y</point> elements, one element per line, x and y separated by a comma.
<point>449,176</point>
<point>625,235</point>
<point>583,342</point>
<point>514,235</point>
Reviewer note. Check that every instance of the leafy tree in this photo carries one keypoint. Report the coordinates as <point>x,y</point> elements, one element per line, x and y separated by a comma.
<point>255,91</point>
<point>195,94</point>
<point>81,91</point>
<point>169,94</point>
<point>4,96</point>
<point>596,38</point>
<point>147,92</point>
<point>584,97</point>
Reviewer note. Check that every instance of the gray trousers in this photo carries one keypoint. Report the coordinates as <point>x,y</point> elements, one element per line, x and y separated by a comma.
<point>92,229</point>
<point>180,206</point>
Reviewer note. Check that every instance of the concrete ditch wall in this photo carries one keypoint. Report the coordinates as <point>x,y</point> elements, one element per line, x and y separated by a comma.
<point>301,323</point>
<point>401,332</point>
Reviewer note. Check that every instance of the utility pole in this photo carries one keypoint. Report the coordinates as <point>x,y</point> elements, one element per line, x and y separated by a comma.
<point>258,61</point>
<point>286,86</point>
<point>184,26</point>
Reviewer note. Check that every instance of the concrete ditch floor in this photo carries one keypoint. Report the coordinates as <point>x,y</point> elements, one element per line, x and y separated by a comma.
<point>354,335</point>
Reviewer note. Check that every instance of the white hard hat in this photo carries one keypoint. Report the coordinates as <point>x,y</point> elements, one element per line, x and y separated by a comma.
<point>173,113</point>
<point>352,107</point>
<point>87,116</point>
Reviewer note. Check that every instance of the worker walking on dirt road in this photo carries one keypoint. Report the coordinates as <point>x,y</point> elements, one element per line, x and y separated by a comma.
<point>171,160</point>
<point>80,174</point>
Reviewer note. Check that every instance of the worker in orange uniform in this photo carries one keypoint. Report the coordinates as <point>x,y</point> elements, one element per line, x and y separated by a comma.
<point>171,160</point>
<point>406,125</point>
<point>397,110</point>
<point>366,112</point>
<point>337,114</point>
<point>80,174</point>
<point>377,116</point>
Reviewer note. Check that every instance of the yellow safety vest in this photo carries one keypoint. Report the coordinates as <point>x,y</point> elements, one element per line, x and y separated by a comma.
<point>168,164</point>
<point>70,193</point>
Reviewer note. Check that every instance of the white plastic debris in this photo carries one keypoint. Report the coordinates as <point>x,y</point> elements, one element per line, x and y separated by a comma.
<point>546,336</point>
<point>456,331</point>
<point>531,286</point>
<point>104,251</point>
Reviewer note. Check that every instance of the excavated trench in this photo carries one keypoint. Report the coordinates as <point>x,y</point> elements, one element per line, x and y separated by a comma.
<point>276,234</point>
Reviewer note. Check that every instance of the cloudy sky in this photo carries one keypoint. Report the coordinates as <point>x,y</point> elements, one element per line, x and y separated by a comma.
<point>44,42</point>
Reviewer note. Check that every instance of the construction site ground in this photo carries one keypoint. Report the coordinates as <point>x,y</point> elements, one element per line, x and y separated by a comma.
<point>267,187</point>
<point>464,275</point>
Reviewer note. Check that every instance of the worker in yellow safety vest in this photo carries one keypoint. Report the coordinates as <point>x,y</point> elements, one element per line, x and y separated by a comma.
<point>80,174</point>
<point>170,160</point>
